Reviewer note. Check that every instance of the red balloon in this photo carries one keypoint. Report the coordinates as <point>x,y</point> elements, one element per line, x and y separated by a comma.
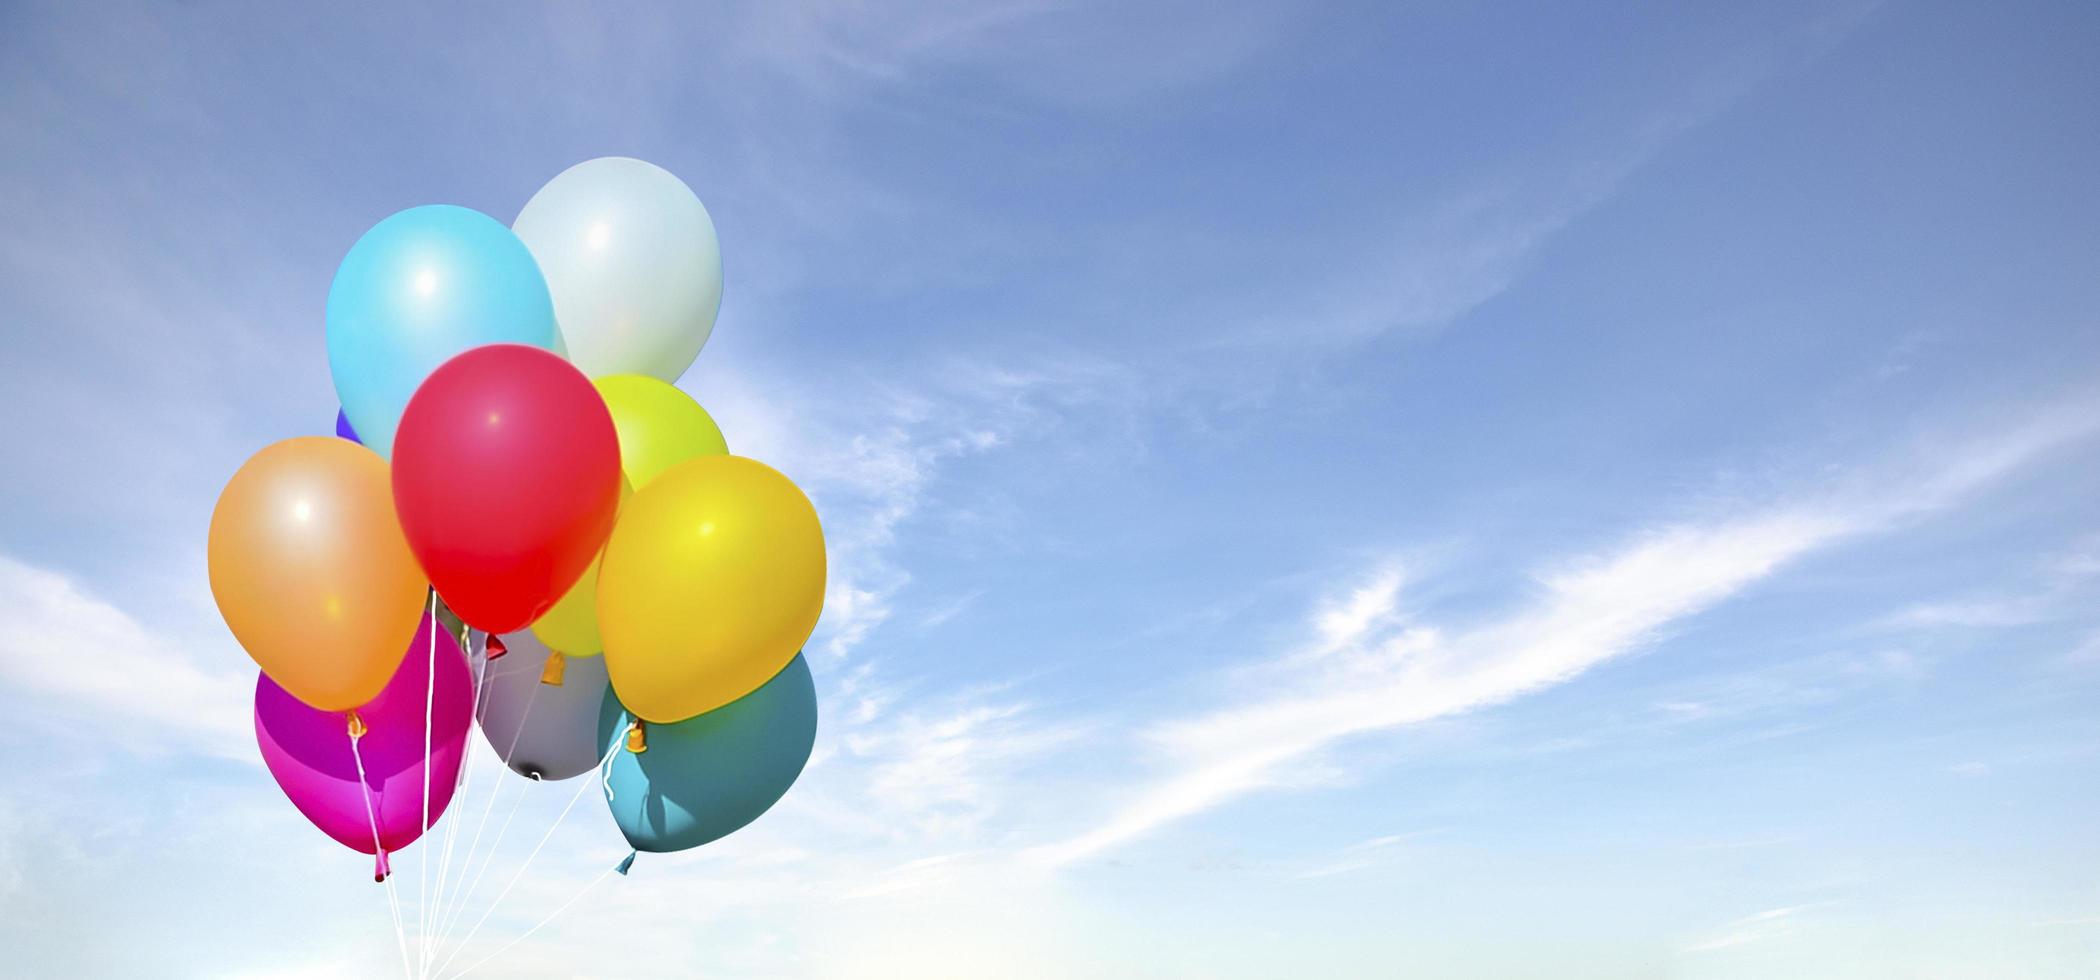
<point>506,479</point>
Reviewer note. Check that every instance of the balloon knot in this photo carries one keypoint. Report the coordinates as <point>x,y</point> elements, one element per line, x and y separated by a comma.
<point>357,730</point>
<point>637,738</point>
<point>494,648</point>
<point>380,868</point>
<point>551,674</point>
<point>628,863</point>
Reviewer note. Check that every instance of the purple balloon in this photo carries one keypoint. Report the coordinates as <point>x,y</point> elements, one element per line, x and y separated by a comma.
<point>342,428</point>
<point>309,751</point>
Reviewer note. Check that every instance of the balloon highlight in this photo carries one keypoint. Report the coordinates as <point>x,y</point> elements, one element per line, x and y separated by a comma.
<point>312,572</point>
<point>712,581</point>
<point>513,457</point>
<point>507,479</point>
<point>630,257</point>
<point>422,286</point>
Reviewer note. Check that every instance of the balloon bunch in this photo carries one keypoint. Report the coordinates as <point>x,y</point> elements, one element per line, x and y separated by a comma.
<point>514,476</point>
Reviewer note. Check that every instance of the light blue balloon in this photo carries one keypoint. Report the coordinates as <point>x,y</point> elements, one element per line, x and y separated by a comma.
<point>421,286</point>
<point>710,774</point>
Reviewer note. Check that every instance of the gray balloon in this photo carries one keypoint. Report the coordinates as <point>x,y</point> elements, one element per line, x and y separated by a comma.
<point>543,731</point>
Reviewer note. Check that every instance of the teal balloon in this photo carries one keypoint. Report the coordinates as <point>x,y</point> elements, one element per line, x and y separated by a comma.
<point>703,778</point>
<point>424,285</point>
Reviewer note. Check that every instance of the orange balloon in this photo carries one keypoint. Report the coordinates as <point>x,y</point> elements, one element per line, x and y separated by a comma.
<point>311,571</point>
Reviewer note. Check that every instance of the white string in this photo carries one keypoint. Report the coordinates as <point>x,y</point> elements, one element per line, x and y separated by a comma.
<point>459,907</point>
<point>586,784</point>
<point>602,875</point>
<point>429,708</point>
<point>462,781</point>
<point>523,717</point>
<point>605,765</point>
<point>460,787</point>
<point>393,902</point>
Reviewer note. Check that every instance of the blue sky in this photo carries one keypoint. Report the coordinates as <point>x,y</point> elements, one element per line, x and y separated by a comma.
<point>1513,489</point>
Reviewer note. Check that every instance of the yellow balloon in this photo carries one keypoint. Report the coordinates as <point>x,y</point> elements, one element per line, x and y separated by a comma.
<point>311,571</point>
<point>711,582</point>
<point>659,425</point>
<point>570,627</point>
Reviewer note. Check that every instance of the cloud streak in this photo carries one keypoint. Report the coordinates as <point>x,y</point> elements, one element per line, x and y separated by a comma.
<point>1756,927</point>
<point>1370,671</point>
<point>81,658</point>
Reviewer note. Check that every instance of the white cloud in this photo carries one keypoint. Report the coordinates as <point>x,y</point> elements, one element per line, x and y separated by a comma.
<point>870,457</point>
<point>855,52</point>
<point>1587,611</point>
<point>2065,581</point>
<point>1993,611</point>
<point>1360,856</point>
<point>1482,237</point>
<point>1344,623</point>
<point>941,614</point>
<point>1752,928</point>
<point>79,657</point>
<point>933,772</point>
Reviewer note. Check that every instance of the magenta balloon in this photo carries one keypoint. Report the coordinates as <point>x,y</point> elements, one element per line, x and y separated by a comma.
<point>308,750</point>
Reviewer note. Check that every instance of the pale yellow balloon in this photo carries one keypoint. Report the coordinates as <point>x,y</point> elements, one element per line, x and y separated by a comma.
<point>570,627</point>
<point>712,581</point>
<point>310,568</point>
<point>659,425</point>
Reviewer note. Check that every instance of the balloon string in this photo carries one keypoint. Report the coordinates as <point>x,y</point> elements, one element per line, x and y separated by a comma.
<point>529,858</point>
<point>605,768</point>
<point>460,907</point>
<point>463,888</point>
<point>423,925</point>
<point>462,782</point>
<point>573,899</point>
<point>393,901</point>
<point>523,716</point>
<point>465,779</point>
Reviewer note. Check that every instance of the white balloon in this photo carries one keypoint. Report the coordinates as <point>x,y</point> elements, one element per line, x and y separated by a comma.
<point>545,731</point>
<point>631,259</point>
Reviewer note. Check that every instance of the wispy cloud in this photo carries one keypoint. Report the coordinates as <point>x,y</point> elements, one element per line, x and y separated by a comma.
<point>852,51</point>
<point>1589,610</point>
<point>2064,581</point>
<point>1480,238</point>
<point>1756,927</point>
<point>944,776</point>
<point>1988,611</point>
<point>78,657</point>
<point>1360,856</point>
<point>870,456</point>
<point>1598,609</point>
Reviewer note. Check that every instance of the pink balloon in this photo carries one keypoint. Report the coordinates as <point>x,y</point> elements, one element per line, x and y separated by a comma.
<point>309,750</point>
